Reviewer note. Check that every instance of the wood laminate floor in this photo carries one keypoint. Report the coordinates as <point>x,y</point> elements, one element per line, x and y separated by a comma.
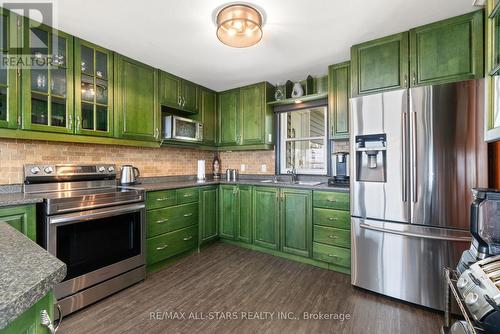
<point>223,289</point>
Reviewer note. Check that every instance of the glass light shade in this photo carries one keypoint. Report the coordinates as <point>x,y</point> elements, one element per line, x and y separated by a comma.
<point>239,26</point>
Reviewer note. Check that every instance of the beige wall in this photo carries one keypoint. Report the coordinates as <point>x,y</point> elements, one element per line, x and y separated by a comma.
<point>151,161</point>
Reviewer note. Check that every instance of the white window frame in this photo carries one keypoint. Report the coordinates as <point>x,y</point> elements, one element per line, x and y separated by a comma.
<point>284,141</point>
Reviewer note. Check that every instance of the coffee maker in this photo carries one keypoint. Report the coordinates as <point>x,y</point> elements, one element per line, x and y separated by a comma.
<point>340,169</point>
<point>484,227</point>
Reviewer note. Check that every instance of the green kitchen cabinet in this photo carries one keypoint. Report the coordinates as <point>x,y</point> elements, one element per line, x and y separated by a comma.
<point>244,214</point>
<point>47,86</point>
<point>22,218</point>
<point>227,211</point>
<point>229,117</point>
<point>207,115</point>
<point>30,322</point>
<point>447,51</point>
<point>379,65</point>
<point>266,217</point>
<point>256,116</point>
<point>177,93</point>
<point>9,106</point>
<point>136,100</point>
<point>296,221</point>
<point>236,212</point>
<point>339,76</point>
<point>170,87</point>
<point>93,89</point>
<point>208,209</point>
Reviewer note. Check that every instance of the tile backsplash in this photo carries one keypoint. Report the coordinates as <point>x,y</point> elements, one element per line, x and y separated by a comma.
<point>150,161</point>
<point>253,161</point>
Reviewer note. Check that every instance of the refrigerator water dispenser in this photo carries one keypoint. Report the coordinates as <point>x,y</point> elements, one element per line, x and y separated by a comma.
<point>371,158</point>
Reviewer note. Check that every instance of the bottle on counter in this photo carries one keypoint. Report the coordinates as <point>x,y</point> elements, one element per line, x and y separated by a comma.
<point>216,167</point>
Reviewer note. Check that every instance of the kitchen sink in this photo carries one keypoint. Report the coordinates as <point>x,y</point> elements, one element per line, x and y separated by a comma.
<point>302,183</point>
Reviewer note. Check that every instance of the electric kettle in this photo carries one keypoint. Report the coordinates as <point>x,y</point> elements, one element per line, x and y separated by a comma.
<point>129,174</point>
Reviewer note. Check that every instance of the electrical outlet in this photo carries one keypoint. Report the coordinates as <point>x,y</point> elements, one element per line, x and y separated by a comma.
<point>243,167</point>
<point>263,168</point>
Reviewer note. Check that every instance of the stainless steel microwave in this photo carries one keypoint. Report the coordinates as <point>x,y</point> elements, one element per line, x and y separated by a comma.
<point>180,128</point>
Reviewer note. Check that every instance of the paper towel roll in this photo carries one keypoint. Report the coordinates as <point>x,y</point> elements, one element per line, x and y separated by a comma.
<point>201,170</point>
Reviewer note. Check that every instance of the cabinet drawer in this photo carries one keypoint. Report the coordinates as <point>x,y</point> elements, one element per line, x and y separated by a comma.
<point>332,254</point>
<point>332,218</point>
<point>169,244</point>
<point>332,236</point>
<point>171,218</point>
<point>331,200</point>
<point>187,195</point>
<point>160,199</point>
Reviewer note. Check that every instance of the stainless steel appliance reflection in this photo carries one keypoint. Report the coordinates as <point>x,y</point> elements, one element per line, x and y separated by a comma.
<point>96,228</point>
<point>416,155</point>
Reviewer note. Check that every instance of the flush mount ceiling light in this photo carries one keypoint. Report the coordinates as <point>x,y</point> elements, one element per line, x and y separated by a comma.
<point>239,25</point>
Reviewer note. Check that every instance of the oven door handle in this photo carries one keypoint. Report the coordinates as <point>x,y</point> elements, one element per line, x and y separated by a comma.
<point>96,214</point>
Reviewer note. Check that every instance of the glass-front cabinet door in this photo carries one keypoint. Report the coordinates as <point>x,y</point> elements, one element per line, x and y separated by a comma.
<point>93,89</point>
<point>8,74</point>
<point>47,84</point>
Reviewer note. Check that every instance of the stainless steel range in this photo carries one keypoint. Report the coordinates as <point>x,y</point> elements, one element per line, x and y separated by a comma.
<point>95,227</point>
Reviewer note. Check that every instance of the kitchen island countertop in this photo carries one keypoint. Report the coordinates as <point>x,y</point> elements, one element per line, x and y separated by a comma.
<point>27,273</point>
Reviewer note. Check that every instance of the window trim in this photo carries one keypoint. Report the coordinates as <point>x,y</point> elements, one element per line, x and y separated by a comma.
<point>282,140</point>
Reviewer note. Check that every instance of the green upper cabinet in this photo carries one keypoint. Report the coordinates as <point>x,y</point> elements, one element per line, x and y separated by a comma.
<point>338,99</point>
<point>137,112</point>
<point>207,115</point>
<point>208,204</point>
<point>227,211</point>
<point>93,89</point>
<point>448,50</point>
<point>47,87</point>
<point>379,65</point>
<point>296,221</point>
<point>244,219</point>
<point>229,117</point>
<point>178,93</point>
<point>245,119</point>
<point>266,217</point>
<point>170,87</point>
<point>8,75</point>
<point>22,218</point>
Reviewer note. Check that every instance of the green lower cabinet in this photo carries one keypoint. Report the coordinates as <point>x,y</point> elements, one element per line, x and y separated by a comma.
<point>22,218</point>
<point>296,221</point>
<point>266,217</point>
<point>29,322</point>
<point>244,219</point>
<point>208,204</point>
<point>227,211</point>
<point>448,50</point>
<point>166,245</point>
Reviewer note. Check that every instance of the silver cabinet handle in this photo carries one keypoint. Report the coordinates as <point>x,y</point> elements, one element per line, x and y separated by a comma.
<point>179,100</point>
<point>332,200</point>
<point>188,214</point>
<point>188,238</point>
<point>406,81</point>
<point>332,237</point>
<point>414,79</point>
<point>333,219</point>
<point>161,247</point>
<point>183,101</point>
<point>161,221</point>
<point>78,123</point>
<point>188,195</point>
<point>70,125</point>
<point>333,256</point>
<point>162,199</point>
<point>45,320</point>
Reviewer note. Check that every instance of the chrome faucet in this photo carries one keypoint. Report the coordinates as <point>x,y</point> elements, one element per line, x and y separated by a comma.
<point>293,171</point>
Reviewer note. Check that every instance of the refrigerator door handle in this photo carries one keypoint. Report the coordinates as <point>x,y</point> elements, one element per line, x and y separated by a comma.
<point>403,159</point>
<point>413,234</point>
<point>414,155</point>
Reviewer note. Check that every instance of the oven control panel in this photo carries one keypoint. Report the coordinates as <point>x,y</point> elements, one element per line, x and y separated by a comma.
<point>42,172</point>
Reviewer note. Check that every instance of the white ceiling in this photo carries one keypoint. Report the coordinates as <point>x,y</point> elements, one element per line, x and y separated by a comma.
<point>300,36</point>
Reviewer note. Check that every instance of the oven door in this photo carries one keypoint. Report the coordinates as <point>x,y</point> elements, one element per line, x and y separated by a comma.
<point>96,245</point>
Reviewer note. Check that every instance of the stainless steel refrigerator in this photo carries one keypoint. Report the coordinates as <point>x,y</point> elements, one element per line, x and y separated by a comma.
<point>415,155</point>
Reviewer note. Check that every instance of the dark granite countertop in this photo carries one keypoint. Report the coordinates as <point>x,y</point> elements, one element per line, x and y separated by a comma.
<point>165,183</point>
<point>18,198</point>
<point>27,273</point>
